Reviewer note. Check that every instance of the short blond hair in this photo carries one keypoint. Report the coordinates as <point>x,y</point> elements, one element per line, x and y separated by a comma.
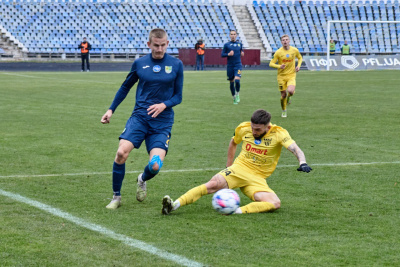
<point>285,35</point>
<point>157,33</point>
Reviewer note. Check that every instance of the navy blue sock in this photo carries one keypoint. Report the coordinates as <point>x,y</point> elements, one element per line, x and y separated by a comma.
<point>118,177</point>
<point>232,87</point>
<point>237,84</point>
<point>148,174</point>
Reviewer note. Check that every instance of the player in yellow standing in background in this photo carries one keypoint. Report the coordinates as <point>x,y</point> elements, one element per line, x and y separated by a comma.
<point>285,56</point>
<point>261,149</point>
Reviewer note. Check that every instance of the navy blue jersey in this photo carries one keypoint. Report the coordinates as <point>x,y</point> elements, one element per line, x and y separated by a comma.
<point>160,81</point>
<point>237,48</point>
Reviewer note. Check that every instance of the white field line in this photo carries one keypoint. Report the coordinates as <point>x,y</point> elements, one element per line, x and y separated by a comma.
<point>193,170</point>
<point>102,230</point>
<point>58,79</point>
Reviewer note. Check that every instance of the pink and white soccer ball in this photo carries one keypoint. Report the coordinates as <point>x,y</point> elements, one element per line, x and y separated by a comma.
<point>226,201</point>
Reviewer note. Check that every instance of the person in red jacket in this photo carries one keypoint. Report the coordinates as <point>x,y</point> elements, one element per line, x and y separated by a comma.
<point>85,47</point>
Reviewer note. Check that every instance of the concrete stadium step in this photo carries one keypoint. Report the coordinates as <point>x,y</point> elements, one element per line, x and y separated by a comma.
<point>249,30</point>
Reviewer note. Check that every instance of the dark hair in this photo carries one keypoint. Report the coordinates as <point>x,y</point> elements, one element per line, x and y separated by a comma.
<point>261,116</point>
<point>232,31</point>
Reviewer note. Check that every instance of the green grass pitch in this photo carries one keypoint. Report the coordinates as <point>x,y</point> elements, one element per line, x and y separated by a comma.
<point>53,149</point>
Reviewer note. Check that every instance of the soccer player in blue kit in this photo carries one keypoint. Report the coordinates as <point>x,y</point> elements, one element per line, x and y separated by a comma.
<point>233,50</point>
<point>160,85</point>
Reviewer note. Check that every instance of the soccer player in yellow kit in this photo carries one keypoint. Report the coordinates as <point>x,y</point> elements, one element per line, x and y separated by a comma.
<point>286,70</point>
<point>261,149</point>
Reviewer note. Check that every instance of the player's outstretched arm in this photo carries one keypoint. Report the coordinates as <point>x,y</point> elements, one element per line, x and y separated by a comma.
<point>106,117</point>
<point>231,153</point>
<point>295,149</point>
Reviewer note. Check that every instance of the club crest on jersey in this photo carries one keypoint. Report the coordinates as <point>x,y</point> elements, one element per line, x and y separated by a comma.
<point>287,55</point>
<point>267,141</point>
<point>168,69</point>
<point>156,68</point>
<point>257,141</point>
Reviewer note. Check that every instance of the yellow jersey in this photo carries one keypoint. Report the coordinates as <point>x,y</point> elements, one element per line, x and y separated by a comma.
<point>260,156</point>
<point>286,57</point>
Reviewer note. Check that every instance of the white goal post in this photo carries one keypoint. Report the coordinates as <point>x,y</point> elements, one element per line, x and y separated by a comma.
<point>328,36</point>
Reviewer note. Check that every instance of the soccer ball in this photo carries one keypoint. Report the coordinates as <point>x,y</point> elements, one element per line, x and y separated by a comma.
<point>226,201</point>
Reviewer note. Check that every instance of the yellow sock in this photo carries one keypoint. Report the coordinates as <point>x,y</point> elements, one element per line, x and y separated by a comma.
<point>258,207</point>
<point>193,194</point>
<point>283,103</point>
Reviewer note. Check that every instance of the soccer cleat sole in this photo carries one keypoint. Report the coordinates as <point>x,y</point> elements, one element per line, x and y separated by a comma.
<point>167,205</point>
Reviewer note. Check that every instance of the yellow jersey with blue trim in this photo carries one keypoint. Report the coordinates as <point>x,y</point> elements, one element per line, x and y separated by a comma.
<point>288,58</point>
<point>260,156</point>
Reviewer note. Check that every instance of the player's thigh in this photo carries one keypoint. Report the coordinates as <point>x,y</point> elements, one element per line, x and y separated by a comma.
<point>282,84</point>
<point>256,185</point>
<point>266,197</point>
<point>238,72</point>
<point>291,85</point>
<point>158,139</point>
<point>230,73</point>
<point>135,131</point>
<point>235,176</point>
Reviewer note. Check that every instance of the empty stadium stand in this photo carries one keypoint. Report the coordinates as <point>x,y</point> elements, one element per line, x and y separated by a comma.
<point>306,23</point>
<point>113,27</point>
<point>122,26</point>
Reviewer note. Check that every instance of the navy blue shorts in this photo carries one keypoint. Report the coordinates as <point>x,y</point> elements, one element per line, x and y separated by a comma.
<point>233,71</point>
<point>155,133</point>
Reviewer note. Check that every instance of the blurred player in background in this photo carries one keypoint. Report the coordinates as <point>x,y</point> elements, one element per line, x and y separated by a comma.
<point>261,149</point>
<point>285,56</point>
<point>85,46</point>
<point>345,48</point>
<point>233,50</point>
<point>160,85</point>
<point>332,47</point>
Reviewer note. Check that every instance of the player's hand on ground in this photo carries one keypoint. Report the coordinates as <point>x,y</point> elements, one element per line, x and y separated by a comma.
<point>231,53</point>
<point>297,69</point>
<point>304,168</point>
<point>282,66</point>
<point>106,117</point>
<point>156,109</point>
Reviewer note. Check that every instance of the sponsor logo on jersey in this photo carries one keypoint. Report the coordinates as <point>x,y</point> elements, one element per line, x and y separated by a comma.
<point>255,150</point>
<point>168,69</point>
<point>156,68</point>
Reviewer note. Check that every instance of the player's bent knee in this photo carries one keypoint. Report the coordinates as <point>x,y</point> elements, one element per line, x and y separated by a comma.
<point>155,164</point>
<point>277,204</point>
<point>216,183</point>
<point>121,156</point>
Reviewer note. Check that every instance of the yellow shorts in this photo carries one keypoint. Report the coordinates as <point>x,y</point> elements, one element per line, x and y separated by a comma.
<point>285,81</point>
<point>249,184</point>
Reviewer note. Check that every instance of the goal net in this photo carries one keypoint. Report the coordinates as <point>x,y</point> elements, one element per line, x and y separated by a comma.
<point>370,45</point>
